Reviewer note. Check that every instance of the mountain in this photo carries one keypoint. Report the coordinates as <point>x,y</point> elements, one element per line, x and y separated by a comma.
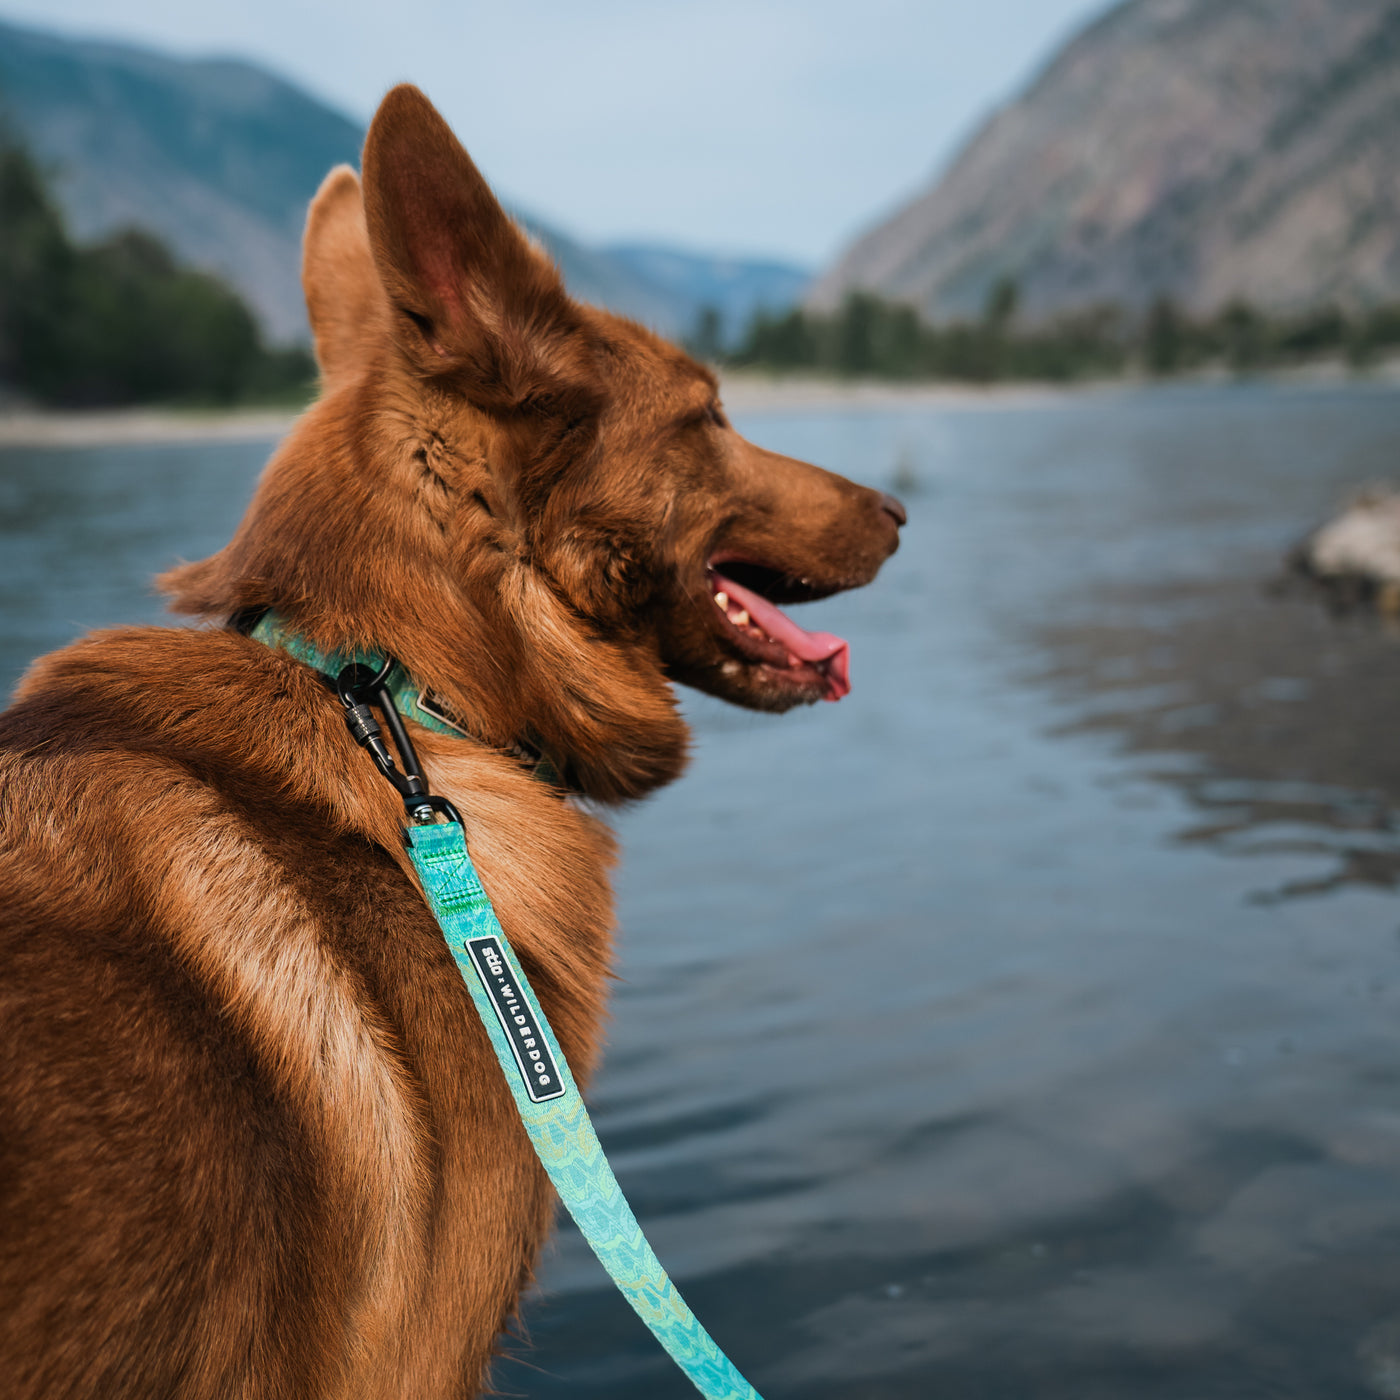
<point>216,157</point>
<point>735,287</point>
<point>1207,150</point>
<point>219,158</point>
<point>593,276</point>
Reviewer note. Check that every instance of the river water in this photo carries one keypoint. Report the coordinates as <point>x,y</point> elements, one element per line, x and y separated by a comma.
<point>1026,1025</point>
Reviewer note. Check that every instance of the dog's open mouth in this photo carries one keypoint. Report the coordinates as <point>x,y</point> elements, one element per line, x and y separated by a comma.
<point>767,636</point>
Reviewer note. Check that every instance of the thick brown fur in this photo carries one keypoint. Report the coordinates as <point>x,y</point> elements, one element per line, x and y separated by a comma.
<point>253,1140</point>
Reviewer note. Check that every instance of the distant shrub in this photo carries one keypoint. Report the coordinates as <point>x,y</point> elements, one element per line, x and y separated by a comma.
<point>871,337</point>
<point>706,339</point>
<point>37,266</point>
<point>1374,334</point>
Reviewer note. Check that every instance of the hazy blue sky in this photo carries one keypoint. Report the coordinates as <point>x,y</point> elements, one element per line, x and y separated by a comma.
<point>768,126</point>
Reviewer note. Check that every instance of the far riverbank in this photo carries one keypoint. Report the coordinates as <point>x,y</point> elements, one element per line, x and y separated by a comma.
<point>742,391</point>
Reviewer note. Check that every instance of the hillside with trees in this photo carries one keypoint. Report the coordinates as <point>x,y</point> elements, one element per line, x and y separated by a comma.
<point>120,320</point>
<point>869,337</point>
<point>219,159</point>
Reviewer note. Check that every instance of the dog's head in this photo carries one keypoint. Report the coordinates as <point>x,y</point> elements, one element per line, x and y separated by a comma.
<point>540,507</point>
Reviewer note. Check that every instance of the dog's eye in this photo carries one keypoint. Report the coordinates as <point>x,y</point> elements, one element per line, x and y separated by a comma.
<point>712,415</point>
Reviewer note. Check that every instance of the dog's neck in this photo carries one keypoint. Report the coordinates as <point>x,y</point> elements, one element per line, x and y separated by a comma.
<point>414,700</point>
<point>339,540</point>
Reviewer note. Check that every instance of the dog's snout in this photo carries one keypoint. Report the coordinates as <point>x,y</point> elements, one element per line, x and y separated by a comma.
<point>894,508</point>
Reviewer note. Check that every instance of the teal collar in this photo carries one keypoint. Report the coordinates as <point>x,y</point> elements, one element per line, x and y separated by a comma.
<point>414,700</point>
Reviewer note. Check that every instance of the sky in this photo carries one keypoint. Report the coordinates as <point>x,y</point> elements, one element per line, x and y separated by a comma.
<point>755,127</point>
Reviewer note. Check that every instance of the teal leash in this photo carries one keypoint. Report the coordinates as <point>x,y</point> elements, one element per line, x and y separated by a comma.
<point>552,1109</point>
<point>537,1074</point>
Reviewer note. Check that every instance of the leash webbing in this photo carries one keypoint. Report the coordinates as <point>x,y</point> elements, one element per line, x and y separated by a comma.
<point>546,1097</point>
<point>553,1112</point>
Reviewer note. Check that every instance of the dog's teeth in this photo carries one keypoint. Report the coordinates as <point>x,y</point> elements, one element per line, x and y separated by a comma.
<point>740,618</point>
<point>722,599</point>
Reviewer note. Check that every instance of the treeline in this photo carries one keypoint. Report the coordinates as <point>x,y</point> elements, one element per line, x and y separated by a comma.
<point>880,339</point>
<point>120,321</point>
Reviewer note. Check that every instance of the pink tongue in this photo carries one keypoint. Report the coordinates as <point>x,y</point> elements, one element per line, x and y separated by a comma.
<point>805,646</point>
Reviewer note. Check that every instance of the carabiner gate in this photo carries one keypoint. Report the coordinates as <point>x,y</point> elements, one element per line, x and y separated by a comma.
<point>360,689</point>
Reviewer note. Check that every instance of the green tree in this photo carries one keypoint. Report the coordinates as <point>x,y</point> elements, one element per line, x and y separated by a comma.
<point>1001,305</point>
<point>1371,334</point>
<point>155,330</point>
<point>901,350</point>
<point>855,334</point>
<point>122,321</point>
<point>781,342</point>
<point>706,340</point>
<point>1163,340</point>
<point>1242,335</point>
<point>1321,331</point>
<point>36,274</point>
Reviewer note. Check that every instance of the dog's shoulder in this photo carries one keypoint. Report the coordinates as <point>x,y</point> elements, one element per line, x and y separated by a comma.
<point>208,780</point>
<point>215,981</point>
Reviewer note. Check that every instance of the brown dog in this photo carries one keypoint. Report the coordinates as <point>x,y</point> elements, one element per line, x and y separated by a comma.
<point>253,1139</point>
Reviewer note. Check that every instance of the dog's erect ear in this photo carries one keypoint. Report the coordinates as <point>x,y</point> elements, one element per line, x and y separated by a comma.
<point>343,297</point>
<point>468,294</point>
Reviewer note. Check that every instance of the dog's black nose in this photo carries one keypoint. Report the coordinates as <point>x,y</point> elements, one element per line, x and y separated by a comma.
<point>894,507</point>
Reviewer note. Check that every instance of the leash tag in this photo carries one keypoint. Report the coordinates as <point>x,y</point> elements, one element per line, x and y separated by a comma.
<point>538,1071</point>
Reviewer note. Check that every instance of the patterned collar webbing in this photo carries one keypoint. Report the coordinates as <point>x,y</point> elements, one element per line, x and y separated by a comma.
<point>414,701</point>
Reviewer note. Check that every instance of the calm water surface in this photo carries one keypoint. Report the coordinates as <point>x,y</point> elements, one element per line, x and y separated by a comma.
<point>1026,1025</point>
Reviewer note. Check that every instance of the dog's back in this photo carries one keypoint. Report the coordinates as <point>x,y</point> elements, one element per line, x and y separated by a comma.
<point>253,1142</point>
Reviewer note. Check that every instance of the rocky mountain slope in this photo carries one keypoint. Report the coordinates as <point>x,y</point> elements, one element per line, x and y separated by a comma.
<point>220,157</point>
<point>1203,149</point>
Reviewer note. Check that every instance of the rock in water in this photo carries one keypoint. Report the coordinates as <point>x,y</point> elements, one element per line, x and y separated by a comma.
<point>1379,1355</point>
<point>1355,557</point>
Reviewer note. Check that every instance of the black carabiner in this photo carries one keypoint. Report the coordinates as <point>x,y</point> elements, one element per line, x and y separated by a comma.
<point>361,688</point>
